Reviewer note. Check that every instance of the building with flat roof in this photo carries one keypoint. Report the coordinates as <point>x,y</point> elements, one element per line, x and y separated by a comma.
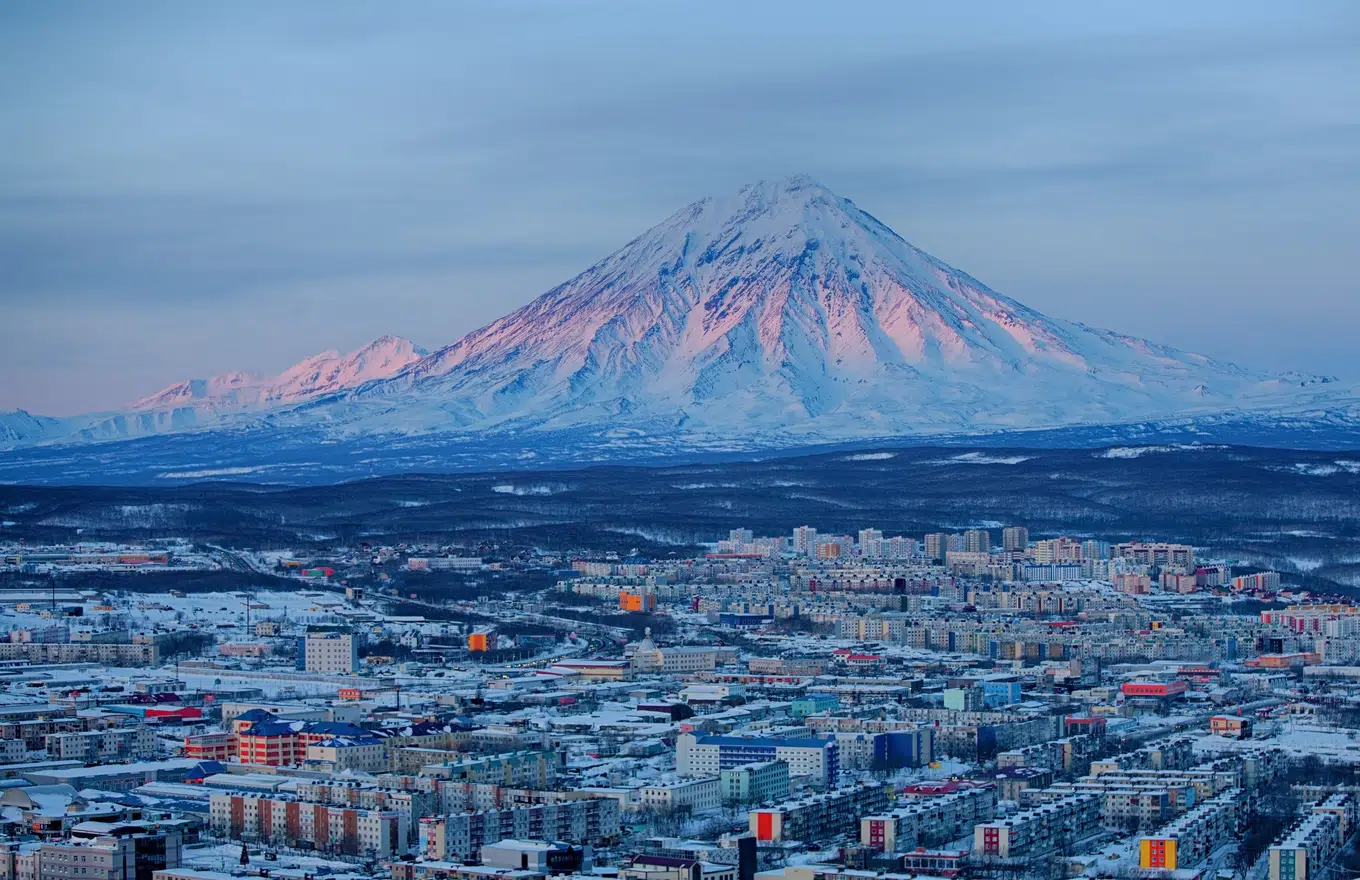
<point>817,760</point>
<point>755,783</point>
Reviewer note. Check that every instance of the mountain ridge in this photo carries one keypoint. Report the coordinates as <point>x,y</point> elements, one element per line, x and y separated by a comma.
<point>782,313</point>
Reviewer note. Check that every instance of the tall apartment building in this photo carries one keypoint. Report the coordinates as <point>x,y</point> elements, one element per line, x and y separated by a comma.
<point>329,828</point>
<point>1053,550</point>
<point>1262,580</point>
<point>592,821</point>
<point>977,541</point>
<point>329,653</point>
<point>871,543</point>
<point>937,544</point>
<point>1015,539</point>
<point>805,541</point>
<point>1145,553</point>
<point>817,760</point>
<point>901,547</point>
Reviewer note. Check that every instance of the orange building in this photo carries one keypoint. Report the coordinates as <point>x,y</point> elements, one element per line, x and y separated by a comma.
<point>1231,726</point>
<point>637,601</point>
<point>1284,661</point>
<point>479,640</point>
<point>1157,852</point>
<point>1153,688</point>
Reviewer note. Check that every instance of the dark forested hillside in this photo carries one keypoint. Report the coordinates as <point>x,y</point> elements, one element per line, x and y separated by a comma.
<point>1296,511</point>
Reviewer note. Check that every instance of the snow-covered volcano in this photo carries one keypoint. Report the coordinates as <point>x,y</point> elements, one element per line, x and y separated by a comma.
<point>785,308</point>
<point>782,314</point>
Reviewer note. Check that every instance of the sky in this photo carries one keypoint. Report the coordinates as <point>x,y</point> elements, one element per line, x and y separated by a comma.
<point>188,189</point>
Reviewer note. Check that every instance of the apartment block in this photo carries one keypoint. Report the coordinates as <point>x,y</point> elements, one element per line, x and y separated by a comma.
<point>98,851</point>
<point>1188,840</point>
<point>1015,539</point>
<point>688,795</point>
<point>756,783</point>
<point>819,817</point>
<point>329,653</point>
<point>1144,553</point>
<point>329,828</point>
<point>1040,829</point>
<point>929,821</point>
<point>1306,850</point>
<point>102,746</point>
<point>412,804</point>
<point>82,652</point>
<point>1121,806</point>
<point>817,760</point>
<point>593,821</point>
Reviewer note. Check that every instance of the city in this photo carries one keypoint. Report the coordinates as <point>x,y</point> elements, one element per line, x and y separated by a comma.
<point>813,705</point>
<point>679,440</point>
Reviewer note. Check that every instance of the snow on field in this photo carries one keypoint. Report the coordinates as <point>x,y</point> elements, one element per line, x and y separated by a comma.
<point>1299,738</point>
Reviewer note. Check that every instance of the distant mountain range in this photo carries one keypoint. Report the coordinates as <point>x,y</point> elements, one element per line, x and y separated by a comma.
<point>777,317</point>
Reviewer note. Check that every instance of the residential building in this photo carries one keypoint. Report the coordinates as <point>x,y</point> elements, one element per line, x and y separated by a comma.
<point>686,795</point>
<point>593,821</point>
<point>99,851</point>
<point>818,817</point>
<point>1306,851</point>
<point>1051,826</point>
<point>102,746</point>
<point>329,653</point>
<point>1187,840</point>
<point>929,820</point>
<point>756,783</point>
<point>816,760</point>
<point>290,822</point>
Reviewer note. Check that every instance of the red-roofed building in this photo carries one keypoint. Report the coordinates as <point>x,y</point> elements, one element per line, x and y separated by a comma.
<point>1092,724</point>
<point>1155,689</point>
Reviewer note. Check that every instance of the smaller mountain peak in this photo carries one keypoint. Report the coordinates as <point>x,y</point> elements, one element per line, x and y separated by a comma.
<point>390,342</point>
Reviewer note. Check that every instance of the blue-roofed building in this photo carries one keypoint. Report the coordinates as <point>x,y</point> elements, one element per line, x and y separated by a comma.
<point>817,760</point>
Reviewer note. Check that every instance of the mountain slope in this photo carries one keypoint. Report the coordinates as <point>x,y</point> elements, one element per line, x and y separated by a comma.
<point>777,316</point>
<point>787,310</point>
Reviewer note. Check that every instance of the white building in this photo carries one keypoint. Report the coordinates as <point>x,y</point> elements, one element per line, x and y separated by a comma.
<point>693,795</point>
<point>330,653</point>
<point>815,760</point>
